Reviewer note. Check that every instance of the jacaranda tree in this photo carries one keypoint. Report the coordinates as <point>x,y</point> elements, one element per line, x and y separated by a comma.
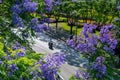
<point>18,27</point>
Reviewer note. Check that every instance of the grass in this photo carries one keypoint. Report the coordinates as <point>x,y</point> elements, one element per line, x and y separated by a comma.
<point>65,27</point>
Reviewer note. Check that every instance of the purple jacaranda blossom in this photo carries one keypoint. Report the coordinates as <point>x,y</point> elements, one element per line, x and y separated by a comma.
<point>86,41</point>
<point>13,67</point>
<point>81,47</point>
<point>118,5</point>
<point>41,21</point>
<point>88,28</point>
<point>10,74</point>
<point>74,0</point>
<point>45,27</point>
<point>51,65</point>
<point>99,66</point>
<point>77,75</point>
<point>16,46</point>
<point>33,23</point>
<point>71,43</point>
<point>84,75</point>
<point>107,38</point>
<point>100,59</point>
<point>88,44</point>
<point>34,20</point>
<point>37,26</point>
<point>0,62</point>
<point>48,5</point>
<point>1,1</point>
<point>112,43</point>
<point>47,20</point>
<point>48,9</point>
<point>81,74</point>
<point>16,9</point>
<point>30,6</point>
<point>16,20</point>
<point>21,54</point>
<point>9,57</point>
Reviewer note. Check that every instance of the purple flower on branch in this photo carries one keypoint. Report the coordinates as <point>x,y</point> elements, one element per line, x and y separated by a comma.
<point>51,65</point>
<point>30,6</point>
<point>99,66</point>
<point>1,1</point>
<point>16,9</point>
<point>48,5</point>
<point>0,62</point>
<point>21,54</point>
<point>13,67</point>
<point>100,59</point>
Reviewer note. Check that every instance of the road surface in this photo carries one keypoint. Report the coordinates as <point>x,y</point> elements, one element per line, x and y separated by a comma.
<point>73,59</point>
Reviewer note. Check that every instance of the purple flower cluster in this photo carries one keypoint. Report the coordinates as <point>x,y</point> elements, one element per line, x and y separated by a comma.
<point>48,5</point>
<point>21,54</point>
<point>16,9</point>
<point>88,28</point>
<point>99,66</point>
<point>47,20</point>
<point>74,0</point>
<point>16,20</point>
<point>86,41</point>
<point>36,26</point>
<point>71,42</point>
<point>21,7</point>
<point>12,69</point>
<point>51,65</point>
<point>17,46</point>
<point>82,74</point>
<point>87,45</point>
<point>0,1</point>
<point>107,38</point>
<point>30,6</point>
<point>0,62</point>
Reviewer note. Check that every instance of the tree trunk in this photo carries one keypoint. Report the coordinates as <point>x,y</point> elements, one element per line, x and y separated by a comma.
<point>56,24</point>
<point>76,31</point>
<point>71,29</point>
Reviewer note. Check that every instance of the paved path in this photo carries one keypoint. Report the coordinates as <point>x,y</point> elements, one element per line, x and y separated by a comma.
<point>73,59</point>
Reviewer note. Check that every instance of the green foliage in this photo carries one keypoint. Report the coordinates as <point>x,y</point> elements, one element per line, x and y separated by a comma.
<point>2,54</point>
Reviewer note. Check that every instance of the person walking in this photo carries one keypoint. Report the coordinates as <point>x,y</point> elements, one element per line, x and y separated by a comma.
<point>50,44</point>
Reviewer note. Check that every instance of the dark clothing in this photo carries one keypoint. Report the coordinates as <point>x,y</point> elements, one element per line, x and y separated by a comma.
<point>71,37</point>
<point>50,44</point>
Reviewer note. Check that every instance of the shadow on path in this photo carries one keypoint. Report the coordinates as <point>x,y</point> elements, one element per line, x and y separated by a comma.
<point>73,57</point>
